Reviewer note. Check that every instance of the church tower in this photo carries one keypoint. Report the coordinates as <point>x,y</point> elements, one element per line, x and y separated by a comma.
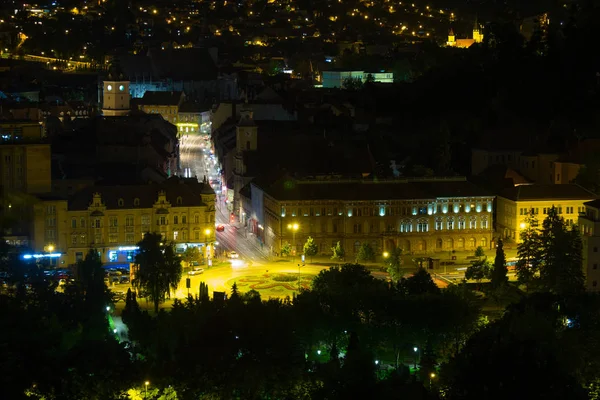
<point>115,93</point>
<point>477,32</point>
<point>451,38</point>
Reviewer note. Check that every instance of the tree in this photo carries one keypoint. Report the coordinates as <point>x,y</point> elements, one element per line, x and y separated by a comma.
<point>365,253</point>
<point>529,253</point>
<point>338,252</point>
<point>310,248</point>
<point>498,273</point>
<point>394,263</point>
<point>352,84</point>
<point>478,270</point>
<point>562,270</point>
<point>158,269</point>
<point>203,292</point>
<point>191,254</point>
<point>479,252</point>
<point>286,250</point>
<point>370,79</point>
<point>418,284</point>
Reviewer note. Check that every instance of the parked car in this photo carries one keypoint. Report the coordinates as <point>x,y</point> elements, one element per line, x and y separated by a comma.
<point>196,271</point>
<point>233,254</point>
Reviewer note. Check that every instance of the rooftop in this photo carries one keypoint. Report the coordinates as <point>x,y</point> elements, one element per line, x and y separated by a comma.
<point>547,192</point>
<point>188,190</point>
<point>372,190</point>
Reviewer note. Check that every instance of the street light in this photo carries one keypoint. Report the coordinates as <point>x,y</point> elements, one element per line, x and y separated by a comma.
<point>207,234</point>
<point>386,254</point>
<point>416,350</point>
<point>293,227</point>
<point>431,376</point>
<point>146,386</point>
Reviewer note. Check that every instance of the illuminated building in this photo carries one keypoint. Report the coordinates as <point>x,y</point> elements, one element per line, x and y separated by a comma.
<point>164,103</point>
<point>515,204</point>
<point>113,219</point>
<point>336,78</point>
<point>589,223</point>
<point>465,43</point>
<point>115,94</point>
<point>421,215</point>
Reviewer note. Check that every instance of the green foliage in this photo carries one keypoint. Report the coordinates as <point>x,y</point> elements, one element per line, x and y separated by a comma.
<point>479,252</point>
<point>352,84</point>
<point>203,292</point>
<point>418,284</point>
<point>478,270</point>
<point>159,269</point>
<point>191,254</point>
<point>310,247</point>
<point>393,262</point>
<point>551,258</point>
<point>498,273</point>
<point>286,249</point>
<point>338,252</point>
<point>365,253</point>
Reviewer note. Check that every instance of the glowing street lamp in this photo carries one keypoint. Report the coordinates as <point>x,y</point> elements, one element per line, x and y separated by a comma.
<point>386,254</point>
<point>146,386</point>
<point>294,228</point>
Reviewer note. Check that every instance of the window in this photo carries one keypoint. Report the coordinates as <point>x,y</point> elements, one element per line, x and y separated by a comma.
<point>113,238</point>
<point>175,235</point>
<point>82,239</point>
<point>357,228</point>
<point>439,225</point>
<point>129,238</point>
<point>51,210</point>
<point>196,219</point>
<point>82,222</point>
<point>175,220</point>
<point>183,219</point>
<point>98,238</point>
<point>136,202</point>
<point>79,256</point>
<point>196,235</point>
<point>145,219</point>
<point>73,239</point>
<point>374,228</point>
<point>184,236</point>
<point>461,223</point>
<point>162,220</point>
<point>113,221</point>
<point>484,223</point>
<point>121,202</point>
<point>450,223</point>
<point>51,222</point>
<point>73,223</point>
<point>356,246</point>
<point>129,220</point>
<point>473,223</point>
<point>179,200</point>
<point>406,227</point>
<point>422,226</point>
<point>96,223</point>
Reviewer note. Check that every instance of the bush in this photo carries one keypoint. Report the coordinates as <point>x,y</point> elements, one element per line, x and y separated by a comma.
<point>284,278</point>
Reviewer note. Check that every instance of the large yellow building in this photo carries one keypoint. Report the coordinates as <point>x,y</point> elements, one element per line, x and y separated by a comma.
<point>515,204</point>
<point>589,222</point>
<point>164,103</point>
<point>421,216</point>
<point>113,219</point>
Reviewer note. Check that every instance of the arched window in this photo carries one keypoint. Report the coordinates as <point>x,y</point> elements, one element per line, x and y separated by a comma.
<point>136,202</point>
<point>120,202</point>
<point>179,200</point>
<point>472,243</point>
<point>483,242</point>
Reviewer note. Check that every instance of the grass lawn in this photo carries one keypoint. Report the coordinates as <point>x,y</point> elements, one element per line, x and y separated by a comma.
<point>279,285</point>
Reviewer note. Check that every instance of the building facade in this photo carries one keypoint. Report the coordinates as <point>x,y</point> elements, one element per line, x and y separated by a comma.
<point>335,79</point>
<point>515,205</point>
<point>589,223</point>
<point>422,216</point>
<point>113,219</point>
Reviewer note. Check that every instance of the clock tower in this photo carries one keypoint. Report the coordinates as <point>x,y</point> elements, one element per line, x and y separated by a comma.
<point>115,93</point>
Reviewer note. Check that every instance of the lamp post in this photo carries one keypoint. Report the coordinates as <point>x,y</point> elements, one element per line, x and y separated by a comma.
<point>416,350</point>
<point>206,234</point>
<point>293,227</point>
<point>146,387</point>
<point>431,376</point>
